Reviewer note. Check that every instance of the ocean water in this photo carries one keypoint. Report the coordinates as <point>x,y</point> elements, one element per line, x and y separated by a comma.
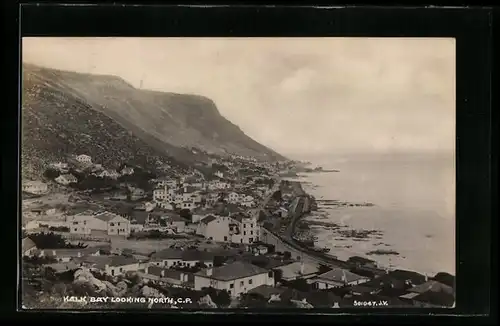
<point>414,197</point>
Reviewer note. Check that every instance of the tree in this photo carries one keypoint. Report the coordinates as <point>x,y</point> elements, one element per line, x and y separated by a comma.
<point>277,195</point>
<point>219,261</point>
<point>323,269</point>
<point>278,275</point>
<point>287,255</point>
<point>186,214</point>
<point>51,174</point>
<point>221,298</point>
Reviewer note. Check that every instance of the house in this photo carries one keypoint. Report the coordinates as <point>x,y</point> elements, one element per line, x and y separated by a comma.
<point>35,187</point>
<point>410,277</point>
<point>127,171</point>
<point>247,226</point>
<point>175,222</point>
<point>59,268</point>
<point>237,278</point>
<point>111,174</point>
<point>60,166</point>
<point>281,212</point>
<point>337,277</point>
<point>28,247</point>
<point>66,255</point>
<point>259,250</point>
<point>237,228</point>
<point>66,179</point>
<point>233,197</point>
<point>298,270</point>
<point>430,294</point>
<point>119,265</point>
<point>181,258</point>
<point>83,158</point>
<point>137,193</point>
<point>117,225</point>
<point>88,221</point>
<point>170,277</point>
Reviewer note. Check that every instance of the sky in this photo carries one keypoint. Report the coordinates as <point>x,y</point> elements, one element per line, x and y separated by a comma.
<point>299,96</point>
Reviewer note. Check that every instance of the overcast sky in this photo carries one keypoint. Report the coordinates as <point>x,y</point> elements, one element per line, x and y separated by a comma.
<point>295,95</point>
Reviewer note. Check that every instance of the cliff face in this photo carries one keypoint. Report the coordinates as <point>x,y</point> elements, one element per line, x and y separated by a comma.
<point>103,116</point>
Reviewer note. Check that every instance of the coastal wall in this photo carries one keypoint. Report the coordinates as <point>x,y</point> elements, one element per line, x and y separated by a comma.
<point>280,246</point>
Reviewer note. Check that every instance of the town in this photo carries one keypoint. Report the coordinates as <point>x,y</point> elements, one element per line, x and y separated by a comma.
<point>222,233</point>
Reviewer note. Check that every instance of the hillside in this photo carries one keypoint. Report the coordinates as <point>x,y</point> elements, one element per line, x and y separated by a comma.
<point>56,124</point>
<point>65,112</point>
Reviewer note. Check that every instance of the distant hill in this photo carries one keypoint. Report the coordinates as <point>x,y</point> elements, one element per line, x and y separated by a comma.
<point>103,116</point>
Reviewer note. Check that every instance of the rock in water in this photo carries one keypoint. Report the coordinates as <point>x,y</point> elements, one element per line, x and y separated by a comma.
<point>206,302</point>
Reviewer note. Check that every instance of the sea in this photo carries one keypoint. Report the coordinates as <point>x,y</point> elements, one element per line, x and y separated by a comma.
<point>413,212</point>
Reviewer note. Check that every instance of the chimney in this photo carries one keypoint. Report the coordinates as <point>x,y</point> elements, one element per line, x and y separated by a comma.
<point>53,252</point>
<point>302,267</point>
<point>344,276</point>
<point>426,277</point>
<point>162,273</point>
<point>209,271</point>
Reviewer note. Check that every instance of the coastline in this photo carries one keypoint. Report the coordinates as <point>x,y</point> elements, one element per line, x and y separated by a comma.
<point>345,237</point>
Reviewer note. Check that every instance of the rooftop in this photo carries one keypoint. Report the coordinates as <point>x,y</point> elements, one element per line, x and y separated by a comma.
<point>432,286</point>
<point>233,271</point>
<point>168,254</point>
<point>28,244</point>
<point>340,275</point>
<point>208,219</point>
<point>121,261</point>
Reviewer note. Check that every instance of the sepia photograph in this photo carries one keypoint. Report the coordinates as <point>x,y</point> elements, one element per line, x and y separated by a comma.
<point>241,173</point>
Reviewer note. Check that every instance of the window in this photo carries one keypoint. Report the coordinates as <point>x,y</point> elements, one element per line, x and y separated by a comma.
<point>225,238</point>
<point>76,229</point>
<point>231,286</point>
<point>251,232</point>
<point>250,281</point>
<point>251,225</point>
<point>111,224</point>
<point>75,223</point>
<point>118,223</point>
<point>242,283</point>
<point>84,222</point>
<point>121,269</point>
<point>250,240</point>
<point>270,274</point>
<point>244,226</point>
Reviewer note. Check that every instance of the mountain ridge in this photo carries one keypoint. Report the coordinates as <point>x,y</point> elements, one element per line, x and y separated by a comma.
<point>169,124</point>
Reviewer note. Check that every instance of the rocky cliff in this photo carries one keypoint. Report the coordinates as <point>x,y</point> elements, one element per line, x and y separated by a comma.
<point>67,112</point>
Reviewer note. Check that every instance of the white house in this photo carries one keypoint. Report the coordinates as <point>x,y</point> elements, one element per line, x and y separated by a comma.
<point>247,201</point>
<point>88,221</point>
<point>237,278</point>
<point>60,166</point>
<point>28,247</point>
<point>175,222</point>
<point>35,187</point>
<point>119,265</point>
<point>127,171</point>
<point>112,174</point>
<point>66,179</point>
<point>170,277</point>
<point>183,258</point>
<point>238,228</point>
<point>84,158</point>
<point>298,270</point>
<point>337,277</point>
<point>233,197</point>
<point>118,225</point>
